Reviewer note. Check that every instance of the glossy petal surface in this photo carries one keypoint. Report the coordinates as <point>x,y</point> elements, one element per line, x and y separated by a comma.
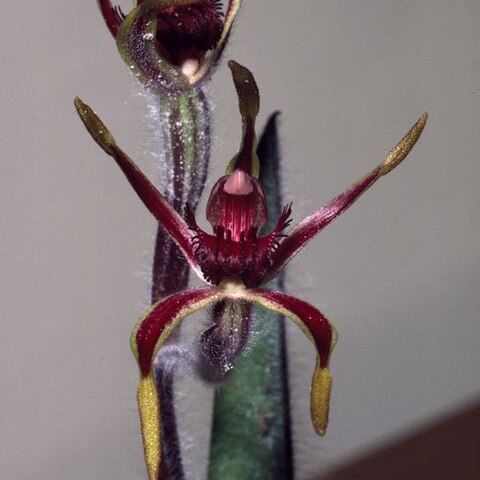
<point>158,323</point>
<point>166,215</point>
<point>318,330</point>
<point>151,332</point>
<point>302,233</point>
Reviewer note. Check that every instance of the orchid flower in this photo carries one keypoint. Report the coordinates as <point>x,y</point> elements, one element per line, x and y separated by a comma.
<point>234,261</point>
<point>171,44</point>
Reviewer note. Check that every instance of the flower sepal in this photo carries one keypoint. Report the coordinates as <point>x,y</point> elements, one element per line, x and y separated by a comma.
<point>160,321</point>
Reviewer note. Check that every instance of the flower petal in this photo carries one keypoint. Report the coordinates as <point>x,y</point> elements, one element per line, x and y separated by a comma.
<point>318,330</point>
<point>158,323</point>
<point>136,42</point>
<point>150,333</point>
<point>302,233</point>
<point>166,215</point>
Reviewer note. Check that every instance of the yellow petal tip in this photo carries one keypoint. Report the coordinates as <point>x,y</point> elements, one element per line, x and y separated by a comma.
<point>403,147</point>
<point>320,399</point>
<point>247,90</point>
<point>96,128</point>
<point>148,404</point>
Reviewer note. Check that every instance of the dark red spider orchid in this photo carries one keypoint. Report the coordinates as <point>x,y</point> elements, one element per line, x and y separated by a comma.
<point>234,260</point>
<point>171,43</point>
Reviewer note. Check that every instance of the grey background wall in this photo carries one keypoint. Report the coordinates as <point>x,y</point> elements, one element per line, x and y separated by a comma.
<point>398,275</point>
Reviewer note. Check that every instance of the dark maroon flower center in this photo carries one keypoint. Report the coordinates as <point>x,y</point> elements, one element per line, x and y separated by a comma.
<point>237,210</point>
<point>188,31</point>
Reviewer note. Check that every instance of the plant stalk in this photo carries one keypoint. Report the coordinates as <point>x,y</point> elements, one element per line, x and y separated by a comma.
<point>185,133</point>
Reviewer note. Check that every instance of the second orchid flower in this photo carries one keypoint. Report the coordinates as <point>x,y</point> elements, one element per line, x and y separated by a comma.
<point>171,44</point>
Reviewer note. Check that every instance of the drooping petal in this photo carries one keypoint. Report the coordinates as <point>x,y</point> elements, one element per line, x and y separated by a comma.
<point>158,323</point>
<point>318,330</point>
<point>302,233</point>
<point>166,215</point>
<point>150,333</point>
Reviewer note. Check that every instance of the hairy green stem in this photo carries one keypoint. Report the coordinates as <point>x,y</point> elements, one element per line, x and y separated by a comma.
<point>185,134</point>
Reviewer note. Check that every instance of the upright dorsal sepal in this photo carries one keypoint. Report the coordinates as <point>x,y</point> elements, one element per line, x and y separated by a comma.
<point>249,104</point>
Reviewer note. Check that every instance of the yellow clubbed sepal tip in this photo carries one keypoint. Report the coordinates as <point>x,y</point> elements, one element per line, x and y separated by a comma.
<point>248,95</point>
<point>149,408</point>
<point>320,398</point>
<point>96,128</point>
<point>249,105</point>
<point>403,147</point>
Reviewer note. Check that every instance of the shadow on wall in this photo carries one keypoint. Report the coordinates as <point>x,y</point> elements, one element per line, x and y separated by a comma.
<point>448,449</point>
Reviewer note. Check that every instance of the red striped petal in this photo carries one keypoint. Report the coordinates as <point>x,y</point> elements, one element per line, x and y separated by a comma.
<point>301,234</point>
<point>156,326</point>
<point>311,321</point>
<point>166,215</point>
<point>318,329</point>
